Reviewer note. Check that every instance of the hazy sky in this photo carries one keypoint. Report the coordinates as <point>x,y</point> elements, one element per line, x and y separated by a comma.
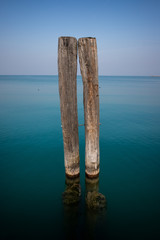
<point>127,33</point>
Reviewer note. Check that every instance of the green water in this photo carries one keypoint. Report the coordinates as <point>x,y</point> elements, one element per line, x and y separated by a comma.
<point>32,177</point>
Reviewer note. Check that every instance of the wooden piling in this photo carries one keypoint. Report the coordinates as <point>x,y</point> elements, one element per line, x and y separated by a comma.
<point>67,69</point>
<point>87,49</point>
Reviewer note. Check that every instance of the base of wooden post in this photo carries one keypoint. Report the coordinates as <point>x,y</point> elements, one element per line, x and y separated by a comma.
<point>72,168</point>
<point>70,181</point>
<point>72,176</point>
<point>93,174</point>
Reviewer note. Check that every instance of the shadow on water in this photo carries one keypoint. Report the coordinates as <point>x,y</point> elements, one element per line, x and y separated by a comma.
<point>83,215</point>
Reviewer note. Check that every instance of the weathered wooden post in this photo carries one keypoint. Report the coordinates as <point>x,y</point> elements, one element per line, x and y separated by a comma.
<point>67,69</point>
<point>87,49</point>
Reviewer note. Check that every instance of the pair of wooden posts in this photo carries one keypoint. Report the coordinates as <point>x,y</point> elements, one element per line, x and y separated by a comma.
<point>67,68</point>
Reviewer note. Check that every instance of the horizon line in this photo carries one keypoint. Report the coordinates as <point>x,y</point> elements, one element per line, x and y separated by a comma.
<point>78,75</point>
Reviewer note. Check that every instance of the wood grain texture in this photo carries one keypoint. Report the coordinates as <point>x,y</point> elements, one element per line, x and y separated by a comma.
<point>67,69</point>
<point>87,49</point>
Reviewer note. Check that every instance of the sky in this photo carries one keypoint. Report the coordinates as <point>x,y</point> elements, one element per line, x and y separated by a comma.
<point>127,33</point>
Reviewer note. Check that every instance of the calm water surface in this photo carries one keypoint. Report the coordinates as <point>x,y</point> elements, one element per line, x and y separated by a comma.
<point>32,177</point>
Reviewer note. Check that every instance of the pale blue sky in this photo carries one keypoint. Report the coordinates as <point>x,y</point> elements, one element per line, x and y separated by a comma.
<point>127,32</point>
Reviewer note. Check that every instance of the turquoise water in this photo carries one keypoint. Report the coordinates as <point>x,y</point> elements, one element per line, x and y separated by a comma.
<point>32,177</point>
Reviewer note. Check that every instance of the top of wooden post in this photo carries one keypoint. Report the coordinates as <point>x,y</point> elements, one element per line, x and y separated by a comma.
<point>67,43</point>
<point>87,38</point>
<point>67,37</point>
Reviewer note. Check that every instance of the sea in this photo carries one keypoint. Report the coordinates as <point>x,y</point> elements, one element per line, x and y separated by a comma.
<point>32,173</point>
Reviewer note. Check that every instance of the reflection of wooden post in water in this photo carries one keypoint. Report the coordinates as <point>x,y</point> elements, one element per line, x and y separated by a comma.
<point>92,184</point>
<point>67,69</point>
<point>95,209</point>
<point>87,49</point>
<point>71,198</point>
<point>72,193</point>
<point>94,199</point>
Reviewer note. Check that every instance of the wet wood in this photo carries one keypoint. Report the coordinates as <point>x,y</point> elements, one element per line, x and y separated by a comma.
<point>87,49</point>
<point>67,70</point>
